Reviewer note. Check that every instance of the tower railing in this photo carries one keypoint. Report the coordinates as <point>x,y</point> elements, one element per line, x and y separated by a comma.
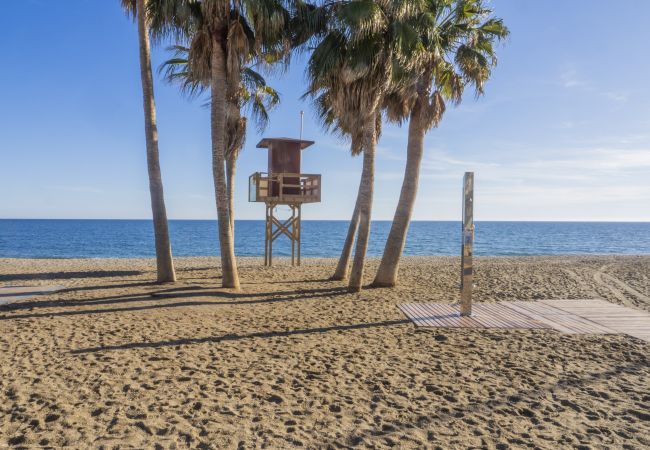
<point>285,188</point>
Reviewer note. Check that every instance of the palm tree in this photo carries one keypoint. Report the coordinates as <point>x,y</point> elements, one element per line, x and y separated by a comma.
<point>253,96</point>
<point>342,270</point>
<point>332,123</point>
<point>456,49</point>
<point>219,35</point>
<point>164,261</point>
<point>350,70</point>
<point>257,98</point>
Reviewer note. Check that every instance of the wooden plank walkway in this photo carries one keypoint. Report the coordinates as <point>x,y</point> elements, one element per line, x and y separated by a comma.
<point>559,319</point>
<point>590,316</point>
<point>10,294</point>
<point>484,315</point>
<point>621,319</point>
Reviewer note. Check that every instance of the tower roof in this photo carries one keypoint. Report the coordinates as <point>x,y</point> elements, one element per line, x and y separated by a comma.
<point>264,143</point>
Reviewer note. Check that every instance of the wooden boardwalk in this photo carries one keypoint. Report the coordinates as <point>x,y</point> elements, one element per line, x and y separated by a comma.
<point>559,319</point>
<point>484,315</point>
<point>621,319</point>
<point>566,316</point>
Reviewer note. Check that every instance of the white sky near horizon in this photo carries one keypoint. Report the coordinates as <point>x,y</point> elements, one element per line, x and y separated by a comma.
<point>563,132</point>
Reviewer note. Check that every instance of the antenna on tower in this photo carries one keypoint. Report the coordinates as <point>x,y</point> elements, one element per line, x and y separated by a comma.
<point>302,115</point>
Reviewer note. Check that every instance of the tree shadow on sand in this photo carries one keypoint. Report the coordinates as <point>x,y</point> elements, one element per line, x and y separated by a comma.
<point>230,299</point>
<point>68,275</point>
<point>237,337</point>
<point>315,280</point>
<point>109,286</point>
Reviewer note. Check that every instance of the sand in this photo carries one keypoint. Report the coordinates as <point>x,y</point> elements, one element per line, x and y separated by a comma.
<point>295,361</point>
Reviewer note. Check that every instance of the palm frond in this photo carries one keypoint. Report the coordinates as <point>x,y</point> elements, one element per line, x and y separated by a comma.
<point>178,70</point>
<point>129,7</point>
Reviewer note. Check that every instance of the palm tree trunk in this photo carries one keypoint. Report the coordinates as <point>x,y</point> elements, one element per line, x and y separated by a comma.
<point>164,261</point>
<point>365,206</point>
<point>388,268</point>
<point>231,169</point>
<point>230,276</point>
<point>343,266</point>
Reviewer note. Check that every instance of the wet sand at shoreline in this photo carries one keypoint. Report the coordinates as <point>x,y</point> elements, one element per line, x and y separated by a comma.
<point>293,360</point>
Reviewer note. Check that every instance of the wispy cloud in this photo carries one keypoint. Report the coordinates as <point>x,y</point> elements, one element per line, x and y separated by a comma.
<point>552,163</point>
<point>389,176</point>
<point>569,79</point>
<point>82,189</point>
<point>568,183</point>
<point>390,154</point>
<point>190,196</point>
<point>572,124</point>
<point>336,143</point>
<point>617,96</point>
<point>606,173</point>
<point>438,163</point>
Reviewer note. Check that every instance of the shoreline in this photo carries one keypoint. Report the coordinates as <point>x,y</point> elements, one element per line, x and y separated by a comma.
<point>252,259</point>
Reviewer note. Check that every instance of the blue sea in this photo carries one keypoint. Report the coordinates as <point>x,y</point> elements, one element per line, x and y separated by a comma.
<point>24,238</point>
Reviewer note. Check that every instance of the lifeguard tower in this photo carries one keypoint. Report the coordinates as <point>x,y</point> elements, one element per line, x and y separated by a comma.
<point>283,184</point>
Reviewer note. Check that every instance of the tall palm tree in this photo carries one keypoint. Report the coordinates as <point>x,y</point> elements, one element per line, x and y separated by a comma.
<point>164,261</point>
<point>342,127</point>
<point>256,98</point>
<point>350,70</point>
<point>253,96</point>
<point>342,270</point>
<point>219,35</point>
<point>456,49</point>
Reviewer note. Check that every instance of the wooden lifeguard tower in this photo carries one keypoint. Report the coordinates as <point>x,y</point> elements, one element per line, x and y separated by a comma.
<point>283,184</point>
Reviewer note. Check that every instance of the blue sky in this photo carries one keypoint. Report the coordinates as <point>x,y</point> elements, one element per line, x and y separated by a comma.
<point>563,132</point>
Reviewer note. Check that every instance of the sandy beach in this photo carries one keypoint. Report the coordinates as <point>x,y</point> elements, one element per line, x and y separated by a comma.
<point>294,361</point>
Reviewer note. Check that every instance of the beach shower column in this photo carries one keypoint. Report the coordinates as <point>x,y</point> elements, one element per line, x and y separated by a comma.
<point>283,184</point>
<point>467,271</point>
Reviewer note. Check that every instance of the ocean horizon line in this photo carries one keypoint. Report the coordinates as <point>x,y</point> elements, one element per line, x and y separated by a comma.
<point>133,238</point>
<point>336,220</point>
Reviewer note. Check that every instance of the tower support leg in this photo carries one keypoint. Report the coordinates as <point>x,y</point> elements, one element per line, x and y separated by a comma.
<point>274,228</point>
<point>298,230</point>
<point>266,236</point>
<point>293,235</point>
